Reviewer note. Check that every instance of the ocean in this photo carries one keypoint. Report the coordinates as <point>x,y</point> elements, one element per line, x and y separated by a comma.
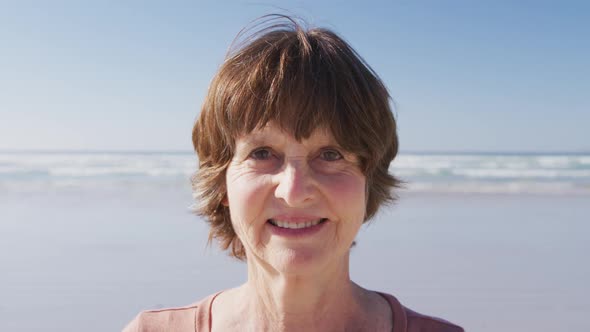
<point>422,172</point>
<point>493,242</point>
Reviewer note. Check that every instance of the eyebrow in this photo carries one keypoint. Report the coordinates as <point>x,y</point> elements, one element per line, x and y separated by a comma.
<point>250,142</point>
<point>254,140</point>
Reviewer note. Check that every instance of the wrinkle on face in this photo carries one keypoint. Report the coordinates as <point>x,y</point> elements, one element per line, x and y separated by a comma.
<point>336,188</point>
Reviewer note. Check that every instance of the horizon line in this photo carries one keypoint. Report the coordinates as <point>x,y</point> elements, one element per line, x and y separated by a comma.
<point>403,151</point>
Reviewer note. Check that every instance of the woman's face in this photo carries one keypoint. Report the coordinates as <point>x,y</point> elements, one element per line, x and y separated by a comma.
<point>296,206</point>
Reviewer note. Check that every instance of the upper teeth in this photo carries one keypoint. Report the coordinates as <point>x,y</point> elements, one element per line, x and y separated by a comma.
<point>287,224</point>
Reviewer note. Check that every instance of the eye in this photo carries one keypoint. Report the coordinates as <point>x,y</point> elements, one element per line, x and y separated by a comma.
<point>261,154</point>
<point>330,155</point>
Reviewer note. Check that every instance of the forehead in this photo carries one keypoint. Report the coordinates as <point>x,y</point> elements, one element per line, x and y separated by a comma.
<point>271,133</point>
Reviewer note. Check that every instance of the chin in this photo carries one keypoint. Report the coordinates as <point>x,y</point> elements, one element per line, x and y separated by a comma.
<point>299,261</point>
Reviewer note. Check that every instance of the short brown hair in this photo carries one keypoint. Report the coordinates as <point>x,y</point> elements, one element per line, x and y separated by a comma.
<point>300,79</point>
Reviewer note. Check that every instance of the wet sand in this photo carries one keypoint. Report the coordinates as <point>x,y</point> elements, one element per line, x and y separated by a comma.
<point>93,257</point>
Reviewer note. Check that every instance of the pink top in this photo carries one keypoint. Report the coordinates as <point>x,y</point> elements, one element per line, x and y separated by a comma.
<point>197,318</point>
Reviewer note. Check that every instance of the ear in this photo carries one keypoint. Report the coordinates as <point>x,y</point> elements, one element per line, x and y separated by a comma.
<point>224,201</point>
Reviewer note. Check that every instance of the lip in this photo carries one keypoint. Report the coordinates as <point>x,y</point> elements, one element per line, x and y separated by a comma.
<point>296,232</point>
<point>296,218</point>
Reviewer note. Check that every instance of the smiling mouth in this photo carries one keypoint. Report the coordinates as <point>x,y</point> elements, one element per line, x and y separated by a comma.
<point>296,225</point>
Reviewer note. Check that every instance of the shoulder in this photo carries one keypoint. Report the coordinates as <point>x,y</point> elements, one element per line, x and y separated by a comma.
<point>182,319</point>
<point>407,320</point>
<point>423,323</point>
<point>171,319</point>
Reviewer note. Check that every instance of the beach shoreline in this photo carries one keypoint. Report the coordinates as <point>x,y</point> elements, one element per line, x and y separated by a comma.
<point>114,251</point>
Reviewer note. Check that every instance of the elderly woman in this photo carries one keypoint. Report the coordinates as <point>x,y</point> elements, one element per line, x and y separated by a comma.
<point>294,141</point>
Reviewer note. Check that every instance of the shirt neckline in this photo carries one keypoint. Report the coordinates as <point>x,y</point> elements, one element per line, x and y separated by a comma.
<point>397,311</point>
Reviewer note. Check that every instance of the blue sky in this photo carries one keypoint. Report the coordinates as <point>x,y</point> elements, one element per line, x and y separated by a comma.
<point>131,75</point>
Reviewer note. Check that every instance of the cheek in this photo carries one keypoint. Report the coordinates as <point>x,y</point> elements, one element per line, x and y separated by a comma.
<point>246,195</point>
<point>347,192</point>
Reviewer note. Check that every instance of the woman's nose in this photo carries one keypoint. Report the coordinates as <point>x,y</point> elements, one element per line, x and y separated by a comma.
<point>295,184</point>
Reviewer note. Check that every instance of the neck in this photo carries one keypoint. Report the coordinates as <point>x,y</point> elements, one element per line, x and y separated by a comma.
<point>292,302</point>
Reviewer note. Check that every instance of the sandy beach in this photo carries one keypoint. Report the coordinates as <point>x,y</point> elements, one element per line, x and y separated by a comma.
<point>94,257</point>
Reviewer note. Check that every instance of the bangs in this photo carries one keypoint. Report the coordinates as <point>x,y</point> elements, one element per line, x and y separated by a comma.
<point>301,82</point>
